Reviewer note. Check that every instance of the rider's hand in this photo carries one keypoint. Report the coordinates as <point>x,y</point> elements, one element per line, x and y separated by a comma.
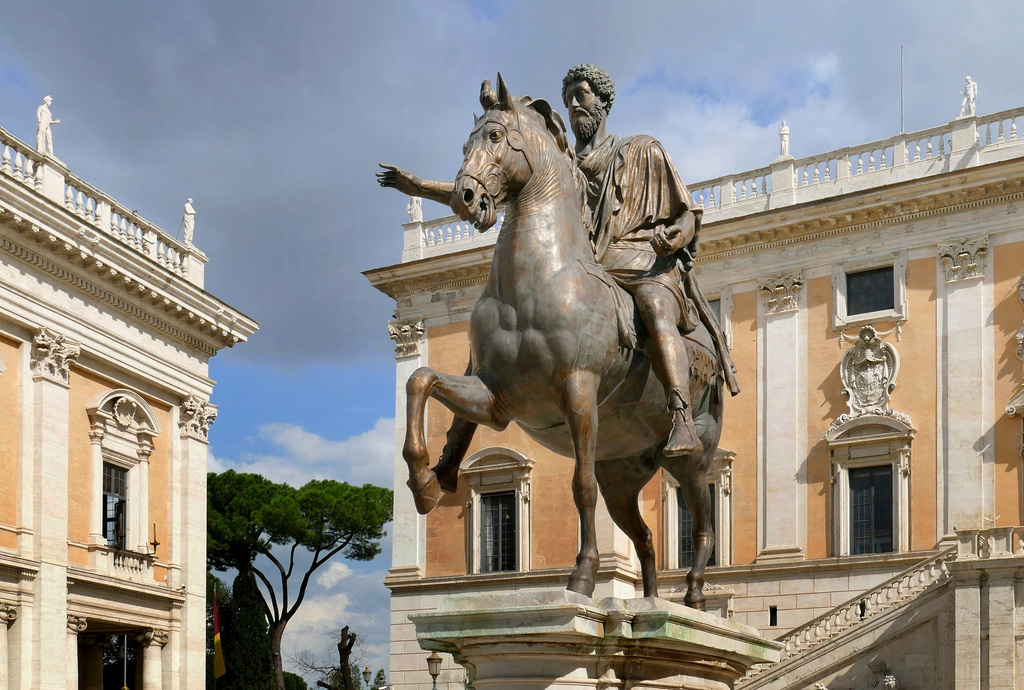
<point>667,240</point>
<point>402,180</point>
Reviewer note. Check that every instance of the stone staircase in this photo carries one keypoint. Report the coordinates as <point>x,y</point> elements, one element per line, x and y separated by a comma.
<point>852,615</point>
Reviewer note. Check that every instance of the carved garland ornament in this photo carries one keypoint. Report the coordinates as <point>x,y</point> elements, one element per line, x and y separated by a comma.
<point>780,293</point>
<point>407,335</point>
<point>868,372</point>
<point>964,259</point>
<point>197,415</point>
<point>53,354</point>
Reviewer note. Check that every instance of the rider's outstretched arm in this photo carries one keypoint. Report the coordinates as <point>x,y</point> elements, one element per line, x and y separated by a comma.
<point>407,183</point>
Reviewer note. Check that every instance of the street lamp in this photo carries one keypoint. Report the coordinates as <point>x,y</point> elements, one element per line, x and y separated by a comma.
<point>434,667</point>
<point>366,675</point>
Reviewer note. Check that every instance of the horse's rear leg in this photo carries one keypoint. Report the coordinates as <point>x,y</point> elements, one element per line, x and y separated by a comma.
<point>621,482</point>
<point>457,441</point>
<point>579,407</point>
<point>466,396</point>
<point>691,471</point>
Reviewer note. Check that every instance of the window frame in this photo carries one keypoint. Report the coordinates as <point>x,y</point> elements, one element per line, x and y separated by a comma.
<point>870,441</point>
<point>720,483</point>
<point>841,320</point>
<point>490,471</point>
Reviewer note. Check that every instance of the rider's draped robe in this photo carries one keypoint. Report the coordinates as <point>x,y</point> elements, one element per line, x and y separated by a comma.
<point>634,188</point>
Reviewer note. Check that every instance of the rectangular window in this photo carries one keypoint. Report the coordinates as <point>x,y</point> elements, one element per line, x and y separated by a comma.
<point>115,501</point>
<point>716,309</point>
<point>498,532</point>
<point>871,510</point>
<point>870,291</point>
<point>686,547</point>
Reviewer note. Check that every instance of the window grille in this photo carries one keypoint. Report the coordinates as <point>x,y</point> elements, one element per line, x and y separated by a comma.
<point>498,532</point>
<point>871,510</point>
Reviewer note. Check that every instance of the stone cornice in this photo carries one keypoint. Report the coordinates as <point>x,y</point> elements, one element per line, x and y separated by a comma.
<point>81,581</point>
<point>90,262</point>
<point>448,272</point>
<point>901,202</point>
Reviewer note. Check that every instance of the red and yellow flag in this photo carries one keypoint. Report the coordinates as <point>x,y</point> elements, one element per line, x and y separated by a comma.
<point>218,653</point>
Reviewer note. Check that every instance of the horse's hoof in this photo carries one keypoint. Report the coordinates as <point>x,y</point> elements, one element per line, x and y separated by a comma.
<point>581,585</point>
<point>695,600</point>
<point>426,493</point>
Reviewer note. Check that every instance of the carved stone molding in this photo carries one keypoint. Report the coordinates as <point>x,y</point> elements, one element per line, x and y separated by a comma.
<point>77,624</point>
<point>53,354</point>
<point>8,614</point>
<point>781,292</point>
<point>407,336</point>
<point>868,372</point>
<point>197,415</point>
<point>152,637</point>
<point>964,259</point>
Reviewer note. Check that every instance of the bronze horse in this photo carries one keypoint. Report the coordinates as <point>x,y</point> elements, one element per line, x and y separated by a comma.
<point>547,352</point>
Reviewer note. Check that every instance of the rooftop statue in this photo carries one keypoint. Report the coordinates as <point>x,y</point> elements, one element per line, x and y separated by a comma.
<point>188,221</point>
<point>591,272</point>
<point>44,138</point>
<point>970,94</point>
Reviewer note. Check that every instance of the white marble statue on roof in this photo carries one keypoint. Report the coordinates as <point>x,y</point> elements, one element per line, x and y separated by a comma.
<point>44,139</point>
<point>784,140</point>
<point>188,221</point>
<point>970,93</point>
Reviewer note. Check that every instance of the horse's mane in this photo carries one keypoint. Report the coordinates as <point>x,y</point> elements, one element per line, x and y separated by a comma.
<point>555,126</point>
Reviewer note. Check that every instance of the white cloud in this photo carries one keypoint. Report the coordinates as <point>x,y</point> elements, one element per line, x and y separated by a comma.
<point>335,573</point>
<point>302,455</point>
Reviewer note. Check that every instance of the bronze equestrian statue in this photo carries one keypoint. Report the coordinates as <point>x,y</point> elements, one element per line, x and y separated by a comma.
<point>555,341</point>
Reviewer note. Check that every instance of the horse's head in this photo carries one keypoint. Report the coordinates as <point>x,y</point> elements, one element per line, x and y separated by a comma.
<point>501,154</point>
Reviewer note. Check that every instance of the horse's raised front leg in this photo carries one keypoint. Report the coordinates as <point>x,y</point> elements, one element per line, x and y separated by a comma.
<point>691,471</point>
<point>579,407</point>
<point>621,482</point>
<point>457,441</point>
<point>466,396</point>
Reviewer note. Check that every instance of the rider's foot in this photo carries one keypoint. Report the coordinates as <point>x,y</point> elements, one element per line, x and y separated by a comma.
<point>684,439</point>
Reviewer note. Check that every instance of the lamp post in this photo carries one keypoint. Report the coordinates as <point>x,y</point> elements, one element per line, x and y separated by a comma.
<point>366,675</point>
<point>434,667</point>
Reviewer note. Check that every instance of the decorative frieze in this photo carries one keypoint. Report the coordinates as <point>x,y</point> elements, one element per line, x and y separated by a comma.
<point>868,372</point>
<point>781,292</point>
<point>197,415</point>
<point>407,335</point>
<point>77,624</point>
<point>53,354</point>
<point>964,259</point>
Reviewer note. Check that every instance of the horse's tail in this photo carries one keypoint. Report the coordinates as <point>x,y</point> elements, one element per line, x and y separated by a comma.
<point>708,318</point>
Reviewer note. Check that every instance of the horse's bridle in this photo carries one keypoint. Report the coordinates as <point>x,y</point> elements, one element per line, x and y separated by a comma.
<point>515,140</point>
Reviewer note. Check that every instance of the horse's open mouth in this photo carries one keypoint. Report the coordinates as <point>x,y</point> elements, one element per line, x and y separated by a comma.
<point>474,203</point>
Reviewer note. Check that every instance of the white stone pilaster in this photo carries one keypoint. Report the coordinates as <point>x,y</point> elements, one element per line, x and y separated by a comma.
<point>96,483</point>
<point>142,530</point>
<point>967,641</point>
<point>1002,665</point>
<point>8,614</point>
<point>966,478</point>
<point>76,625</point>
<point>410,528</point>
<point>51,360</point>
<point>195,417</point>
<point>782,428</point>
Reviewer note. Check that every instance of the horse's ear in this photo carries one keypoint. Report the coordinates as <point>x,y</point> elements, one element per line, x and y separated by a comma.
<point>553,121</point>
<point>504,97</point>
<point>488,97</point>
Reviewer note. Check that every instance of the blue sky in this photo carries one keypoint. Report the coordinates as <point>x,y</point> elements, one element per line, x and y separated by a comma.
<point>273,116</point>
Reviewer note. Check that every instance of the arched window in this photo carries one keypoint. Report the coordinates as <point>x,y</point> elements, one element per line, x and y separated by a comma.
<point>498,532</point>
<point>122,428</point>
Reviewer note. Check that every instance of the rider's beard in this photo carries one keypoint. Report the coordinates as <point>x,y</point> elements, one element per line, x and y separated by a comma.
<point>585,123</point>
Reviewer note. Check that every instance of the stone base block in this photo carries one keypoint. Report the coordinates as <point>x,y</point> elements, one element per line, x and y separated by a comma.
<point>537,640</point>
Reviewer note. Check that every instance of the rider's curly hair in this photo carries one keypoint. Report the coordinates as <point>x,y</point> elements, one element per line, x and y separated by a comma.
<point>599,80</point>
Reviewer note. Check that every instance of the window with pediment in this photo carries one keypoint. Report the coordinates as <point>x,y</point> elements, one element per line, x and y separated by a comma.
<point>498,529</point>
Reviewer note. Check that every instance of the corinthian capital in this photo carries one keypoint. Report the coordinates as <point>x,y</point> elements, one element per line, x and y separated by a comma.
<point>781,292</point>
<point>8,614</point>
<point>406,335</point>
<point>53,354</point>
<point>151,637</point>
<point>197,415</point>
<point>964,259</point>
<point>77,624</point>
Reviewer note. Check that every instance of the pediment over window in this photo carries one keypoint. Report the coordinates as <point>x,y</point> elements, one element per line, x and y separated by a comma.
<point>870,428</point>
<point>496,460</point>
<point>1016,405</point>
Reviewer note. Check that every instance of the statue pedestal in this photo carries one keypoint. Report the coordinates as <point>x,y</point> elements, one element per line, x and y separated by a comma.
<point>539,640</point>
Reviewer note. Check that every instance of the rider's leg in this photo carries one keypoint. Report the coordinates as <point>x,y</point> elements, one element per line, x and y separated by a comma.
<point>659,310</point>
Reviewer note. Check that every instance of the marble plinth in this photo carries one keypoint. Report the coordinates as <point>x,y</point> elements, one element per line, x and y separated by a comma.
<point>537,640</point>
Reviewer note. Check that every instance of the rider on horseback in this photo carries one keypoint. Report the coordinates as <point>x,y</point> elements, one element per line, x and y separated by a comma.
<point>646,226</point>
